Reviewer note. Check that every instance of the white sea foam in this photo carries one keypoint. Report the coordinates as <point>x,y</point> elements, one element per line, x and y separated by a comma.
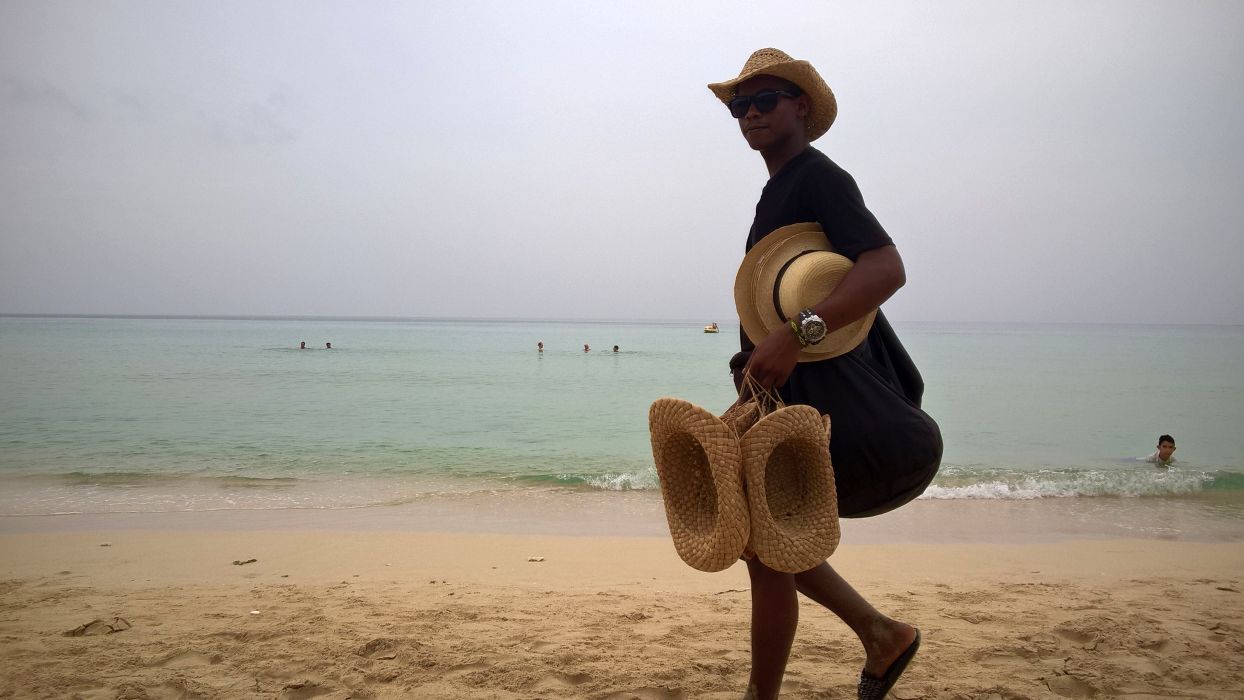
<point>625,481</point>
<point>1066,484</point>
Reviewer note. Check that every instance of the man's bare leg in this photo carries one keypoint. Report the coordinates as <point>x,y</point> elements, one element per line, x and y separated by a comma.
<point>775,615</point>
<point>884,639</point>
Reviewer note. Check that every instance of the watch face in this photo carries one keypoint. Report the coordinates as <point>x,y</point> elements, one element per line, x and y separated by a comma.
<point>814,329</point>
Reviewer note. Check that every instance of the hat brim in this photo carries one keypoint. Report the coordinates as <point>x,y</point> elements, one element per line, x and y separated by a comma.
<point>755,281</point>
<point>698,463</point>
<point>824,104</point>
<point>790,489</point>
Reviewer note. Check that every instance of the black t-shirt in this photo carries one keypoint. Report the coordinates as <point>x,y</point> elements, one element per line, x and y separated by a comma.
<point>885,450</point>
<point>811,187</point>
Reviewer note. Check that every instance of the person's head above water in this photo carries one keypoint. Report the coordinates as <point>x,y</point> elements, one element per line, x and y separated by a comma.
<point>1166,447</point>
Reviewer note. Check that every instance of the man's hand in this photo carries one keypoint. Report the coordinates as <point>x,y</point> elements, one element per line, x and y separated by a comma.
<point>774,358</point>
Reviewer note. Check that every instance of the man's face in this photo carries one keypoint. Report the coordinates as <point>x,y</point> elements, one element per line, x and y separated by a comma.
<point>785,122</point>
<point>1165,450</point>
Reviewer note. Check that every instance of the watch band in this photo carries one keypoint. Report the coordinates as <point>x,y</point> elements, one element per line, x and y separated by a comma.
<point>794,326</point>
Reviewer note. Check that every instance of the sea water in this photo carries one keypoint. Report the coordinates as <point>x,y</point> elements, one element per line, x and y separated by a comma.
<point>101,415</point>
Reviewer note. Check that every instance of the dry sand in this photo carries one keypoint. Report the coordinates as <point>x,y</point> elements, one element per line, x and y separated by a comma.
<point>395,615</point>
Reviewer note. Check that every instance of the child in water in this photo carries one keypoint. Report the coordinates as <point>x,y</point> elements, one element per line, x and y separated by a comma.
<point>1165,456</point>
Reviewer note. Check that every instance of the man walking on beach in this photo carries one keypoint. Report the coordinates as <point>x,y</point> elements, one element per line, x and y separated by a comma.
<point>884,449</point>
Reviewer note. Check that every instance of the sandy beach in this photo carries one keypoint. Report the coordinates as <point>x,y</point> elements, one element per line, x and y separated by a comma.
<point>361,613</point>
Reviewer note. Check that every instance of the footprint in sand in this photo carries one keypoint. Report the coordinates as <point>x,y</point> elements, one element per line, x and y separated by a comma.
<point>176,689</point>
<point>647,694</point>
<point>466,668</point>
<point>247,635</point>
<point>1070,687</point>
<point>99,626</point>
<point>380,649</point>
<point>1083,638</point>
<point>303,690</point>
<point>560,681</point>
<point>974,617</point>
<point>186,659</point>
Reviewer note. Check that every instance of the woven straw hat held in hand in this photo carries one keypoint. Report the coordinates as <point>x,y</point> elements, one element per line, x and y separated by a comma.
<point>791,269</point>
<point>769,492</point>
<point>791,493</point>
<point>698,463</point>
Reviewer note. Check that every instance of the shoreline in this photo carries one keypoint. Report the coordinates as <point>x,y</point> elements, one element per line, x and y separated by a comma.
<point>641,514</point>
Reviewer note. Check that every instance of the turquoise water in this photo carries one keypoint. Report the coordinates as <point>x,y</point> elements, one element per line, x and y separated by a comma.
<point>107,414</point>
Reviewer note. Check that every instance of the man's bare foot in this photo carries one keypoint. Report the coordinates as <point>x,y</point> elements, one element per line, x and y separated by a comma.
<point>875,685</point>
<point>887,644</point>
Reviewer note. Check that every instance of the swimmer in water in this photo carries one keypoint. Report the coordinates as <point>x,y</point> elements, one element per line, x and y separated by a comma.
<point>1165,456</point>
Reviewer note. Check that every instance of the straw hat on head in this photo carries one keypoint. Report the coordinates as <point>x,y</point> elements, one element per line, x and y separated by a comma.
<point>789,270</point>
<point>698,463</point>
<point>778,64</point>
<point>790,489</point>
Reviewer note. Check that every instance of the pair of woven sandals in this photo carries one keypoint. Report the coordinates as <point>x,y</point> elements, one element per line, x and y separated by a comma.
<point>756,480</point>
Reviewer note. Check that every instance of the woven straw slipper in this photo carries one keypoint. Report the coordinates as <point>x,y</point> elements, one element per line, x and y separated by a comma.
<point>698,462</point>
<point>790,489</point>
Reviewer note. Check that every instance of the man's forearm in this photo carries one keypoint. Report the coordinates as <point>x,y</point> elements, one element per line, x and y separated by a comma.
<point>875,277</point>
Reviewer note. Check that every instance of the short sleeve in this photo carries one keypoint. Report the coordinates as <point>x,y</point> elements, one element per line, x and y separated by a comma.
<point>839,209</point>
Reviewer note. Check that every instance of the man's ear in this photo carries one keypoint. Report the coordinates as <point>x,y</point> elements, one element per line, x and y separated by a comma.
<point>805,106</point>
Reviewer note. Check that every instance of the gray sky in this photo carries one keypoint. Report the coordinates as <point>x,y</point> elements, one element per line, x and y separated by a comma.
<point>1035,161</point>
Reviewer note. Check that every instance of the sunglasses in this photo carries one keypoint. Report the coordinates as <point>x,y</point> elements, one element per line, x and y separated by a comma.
<point>765,101</point>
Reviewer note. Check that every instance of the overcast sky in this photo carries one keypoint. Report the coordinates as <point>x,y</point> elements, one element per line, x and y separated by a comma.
<point>1034,161</point>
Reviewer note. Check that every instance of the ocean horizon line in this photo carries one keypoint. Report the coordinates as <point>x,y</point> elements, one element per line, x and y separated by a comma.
<point>583,320</point>
<point>349,319</point>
